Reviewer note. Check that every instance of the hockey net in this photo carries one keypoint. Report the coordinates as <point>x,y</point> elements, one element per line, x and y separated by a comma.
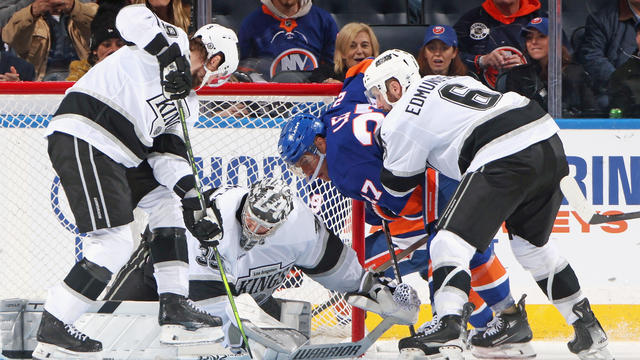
<point>234,142</point>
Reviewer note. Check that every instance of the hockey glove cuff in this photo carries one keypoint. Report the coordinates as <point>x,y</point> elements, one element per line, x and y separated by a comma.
<point>175,73</point>
<point>205,225</point>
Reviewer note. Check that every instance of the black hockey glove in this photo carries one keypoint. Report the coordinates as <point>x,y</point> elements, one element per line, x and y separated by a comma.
<point>206,226</point>
<point>175,73</point>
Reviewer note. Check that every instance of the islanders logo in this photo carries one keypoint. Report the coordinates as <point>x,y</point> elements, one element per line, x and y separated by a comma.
<point>294,59</point>
<point>537,20</point>
<point>438,30</point>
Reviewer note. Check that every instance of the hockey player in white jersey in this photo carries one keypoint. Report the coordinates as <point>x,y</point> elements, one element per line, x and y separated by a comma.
<point>267,231</point>
<point>505,151</point>
<point>122,114</point>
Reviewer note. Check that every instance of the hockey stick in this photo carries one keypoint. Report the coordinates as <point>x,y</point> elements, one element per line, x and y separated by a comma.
<point>396,268</point>
<point>203,205</point>
<point>344,349</point>
<point>576,200</point>
<point>380,268</point>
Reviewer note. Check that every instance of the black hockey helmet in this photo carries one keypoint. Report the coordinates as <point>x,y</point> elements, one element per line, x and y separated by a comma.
<point>268,204</point>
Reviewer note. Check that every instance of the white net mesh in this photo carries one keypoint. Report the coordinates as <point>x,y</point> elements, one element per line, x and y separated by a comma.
<point>235,142</point>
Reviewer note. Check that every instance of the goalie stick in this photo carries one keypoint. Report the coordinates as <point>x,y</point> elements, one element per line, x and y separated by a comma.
<point>380,268</point>
<point>576,200</point>
<point>203,205</point>
<point>344,349</point>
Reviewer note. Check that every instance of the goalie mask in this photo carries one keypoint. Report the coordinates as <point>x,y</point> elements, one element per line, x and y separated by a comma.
<point>268,204</point>
<point>391,64</point>
<point>218,39</point>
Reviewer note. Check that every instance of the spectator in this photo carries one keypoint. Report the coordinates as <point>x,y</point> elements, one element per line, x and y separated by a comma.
<point>624,86</point>
<point>354,43</point>
<point>12,68</point>
<point>105,38</point>
<point>50,34</point>
<point>176,12</point>
<point>287,35</point>
<point>8,7</point>
<point>609,38</point>
<point>439,53</point>
<point>489,36</point>
<point>530,79</point>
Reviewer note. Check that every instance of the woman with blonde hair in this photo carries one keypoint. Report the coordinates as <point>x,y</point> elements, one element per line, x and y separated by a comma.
<point>354,43</point>
<point>176,12</point>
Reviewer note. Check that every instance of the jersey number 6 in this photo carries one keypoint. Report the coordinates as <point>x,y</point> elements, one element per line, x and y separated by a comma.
<point>476,99</point>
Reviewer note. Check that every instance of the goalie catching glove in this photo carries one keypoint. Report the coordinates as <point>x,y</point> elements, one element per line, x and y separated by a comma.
<point>175,73</point>
<point>204,225</point>
<point>376,294</point>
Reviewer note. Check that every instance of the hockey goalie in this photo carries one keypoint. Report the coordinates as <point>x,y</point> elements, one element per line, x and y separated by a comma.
<point>266,232</point>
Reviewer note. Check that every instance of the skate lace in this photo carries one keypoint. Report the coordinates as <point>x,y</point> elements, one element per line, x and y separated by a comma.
<point>494,326</point>
<point>196,308</point>
<point>428,325</point>
<point>433,328</point>
<point>75,332</point>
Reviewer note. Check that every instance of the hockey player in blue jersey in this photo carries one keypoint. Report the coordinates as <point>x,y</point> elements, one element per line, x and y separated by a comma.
<point>342,148</point>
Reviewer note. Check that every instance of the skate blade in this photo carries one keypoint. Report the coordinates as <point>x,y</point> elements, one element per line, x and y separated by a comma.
<point>44,351</point>
<point>445,353</point>
<point>178,335</point>
<point>595,354</point>
<point>505,351</point>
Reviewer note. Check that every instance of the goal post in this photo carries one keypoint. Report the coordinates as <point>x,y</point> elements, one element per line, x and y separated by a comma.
<point>234,142</point>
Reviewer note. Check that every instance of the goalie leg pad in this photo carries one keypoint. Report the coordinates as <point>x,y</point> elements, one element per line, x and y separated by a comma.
<point>297,315</point>
<point>273,335</point>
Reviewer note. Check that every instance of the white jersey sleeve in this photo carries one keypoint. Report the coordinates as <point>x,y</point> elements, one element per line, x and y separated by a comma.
<point>325,258</point>
<point>137,24</point>
<point>170,163</point>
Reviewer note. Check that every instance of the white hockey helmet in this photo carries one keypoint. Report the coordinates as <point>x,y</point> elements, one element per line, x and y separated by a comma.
<point>268,204</point>
<point>218,39</point>
<point>391,64</point>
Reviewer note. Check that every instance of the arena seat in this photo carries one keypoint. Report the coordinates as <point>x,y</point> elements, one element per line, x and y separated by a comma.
<point>372,12</point>
<point>230,13</point>
<point>404,37</point>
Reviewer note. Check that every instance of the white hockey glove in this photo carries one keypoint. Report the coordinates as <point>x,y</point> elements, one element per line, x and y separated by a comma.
<point>376,294</point>
<point>205,225</point>
<point>175,73</point>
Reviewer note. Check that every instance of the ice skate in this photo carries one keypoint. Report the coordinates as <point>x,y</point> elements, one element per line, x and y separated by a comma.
<point>590,341</point>
<point>182,322</point>
<point>57,340</point>
<point>444,339</point>
<point>508,336</point>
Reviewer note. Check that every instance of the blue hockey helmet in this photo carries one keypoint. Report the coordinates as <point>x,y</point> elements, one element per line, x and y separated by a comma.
<point>297,137</point>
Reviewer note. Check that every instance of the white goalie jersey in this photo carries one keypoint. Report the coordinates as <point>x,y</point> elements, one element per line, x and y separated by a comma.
<point>118,106</point>
<point>302,241</point>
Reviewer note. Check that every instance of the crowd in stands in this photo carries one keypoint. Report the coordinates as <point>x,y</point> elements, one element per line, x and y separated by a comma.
<point>503,43</point>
